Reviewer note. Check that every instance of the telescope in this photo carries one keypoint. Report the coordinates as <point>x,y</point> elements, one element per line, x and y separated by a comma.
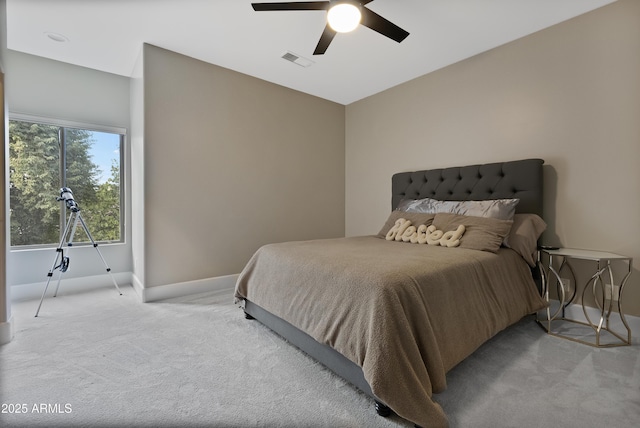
<point>66,195</point>
<point>75,217</point>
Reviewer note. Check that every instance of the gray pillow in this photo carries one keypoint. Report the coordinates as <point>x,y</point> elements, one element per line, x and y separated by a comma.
<point>503,209</point>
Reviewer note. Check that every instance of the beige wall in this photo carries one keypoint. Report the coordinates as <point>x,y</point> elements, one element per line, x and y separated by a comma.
<point>232,162</point>
<point>569,94</point>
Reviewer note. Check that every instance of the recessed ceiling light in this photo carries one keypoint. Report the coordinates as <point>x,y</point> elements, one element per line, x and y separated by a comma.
<point>56,37</point>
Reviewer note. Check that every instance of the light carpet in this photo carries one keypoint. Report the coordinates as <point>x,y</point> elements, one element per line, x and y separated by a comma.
<point>102,360</point>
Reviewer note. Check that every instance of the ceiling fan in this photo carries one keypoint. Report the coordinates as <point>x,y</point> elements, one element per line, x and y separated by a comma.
<point>361,15</point>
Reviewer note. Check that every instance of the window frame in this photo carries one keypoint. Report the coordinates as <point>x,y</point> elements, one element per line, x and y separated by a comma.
<point>62,123</point>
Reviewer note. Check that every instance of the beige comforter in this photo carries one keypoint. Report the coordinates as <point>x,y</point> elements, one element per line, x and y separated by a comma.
<point>405,313</point>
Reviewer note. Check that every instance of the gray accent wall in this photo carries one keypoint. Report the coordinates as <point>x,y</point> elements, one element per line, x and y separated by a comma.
<point>230,163</point>
<point>569,94</point>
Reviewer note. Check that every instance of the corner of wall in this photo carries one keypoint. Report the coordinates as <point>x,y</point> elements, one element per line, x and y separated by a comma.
<point>7,331</point>
<point>136,109</point>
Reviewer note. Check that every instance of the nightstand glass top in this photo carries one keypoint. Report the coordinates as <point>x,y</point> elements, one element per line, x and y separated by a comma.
<point>585,254</point>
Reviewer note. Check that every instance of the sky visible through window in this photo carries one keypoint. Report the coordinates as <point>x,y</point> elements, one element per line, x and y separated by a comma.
<point>106,148</point>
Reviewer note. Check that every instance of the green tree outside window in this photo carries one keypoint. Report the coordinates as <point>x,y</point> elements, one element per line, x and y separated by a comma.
<point>42,159</point>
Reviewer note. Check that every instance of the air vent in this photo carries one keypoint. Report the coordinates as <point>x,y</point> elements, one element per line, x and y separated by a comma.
<point>297,59</point>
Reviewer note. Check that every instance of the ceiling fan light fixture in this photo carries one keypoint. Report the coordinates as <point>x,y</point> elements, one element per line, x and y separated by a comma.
<point>344,17</point>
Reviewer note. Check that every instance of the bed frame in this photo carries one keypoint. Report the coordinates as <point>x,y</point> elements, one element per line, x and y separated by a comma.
<point>520,179</point>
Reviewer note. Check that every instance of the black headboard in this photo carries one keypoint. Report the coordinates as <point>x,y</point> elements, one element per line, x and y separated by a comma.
<point>520,179</point>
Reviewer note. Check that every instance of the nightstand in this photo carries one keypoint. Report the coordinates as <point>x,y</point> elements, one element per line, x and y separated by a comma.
<point>606,294</point>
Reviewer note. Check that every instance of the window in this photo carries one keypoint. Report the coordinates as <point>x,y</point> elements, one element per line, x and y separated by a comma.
<point>43,158</point>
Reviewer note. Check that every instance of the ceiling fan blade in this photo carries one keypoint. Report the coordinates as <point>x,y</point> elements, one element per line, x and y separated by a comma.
<point>386,28</point>
<point>327,36</point>
<point>300,5</point>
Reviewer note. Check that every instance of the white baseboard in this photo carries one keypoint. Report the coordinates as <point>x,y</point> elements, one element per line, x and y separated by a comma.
<point>146,294</point>
<point>169,291</point>
<point>138,286</point>
<point>68,285</point>
<point>6,331</point>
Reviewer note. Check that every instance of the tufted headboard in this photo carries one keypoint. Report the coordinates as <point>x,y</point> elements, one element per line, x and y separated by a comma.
<point>520,179</point>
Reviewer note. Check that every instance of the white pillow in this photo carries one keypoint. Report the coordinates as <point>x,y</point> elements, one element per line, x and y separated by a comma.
<point>503,209</point>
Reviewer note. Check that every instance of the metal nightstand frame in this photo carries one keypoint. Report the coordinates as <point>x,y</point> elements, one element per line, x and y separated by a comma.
<point>605,301</point>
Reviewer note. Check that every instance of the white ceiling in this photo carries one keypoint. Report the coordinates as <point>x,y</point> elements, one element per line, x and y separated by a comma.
<point>107,35</point>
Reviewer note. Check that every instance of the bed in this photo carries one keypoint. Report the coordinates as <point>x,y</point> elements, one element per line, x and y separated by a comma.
<point>393,316</point>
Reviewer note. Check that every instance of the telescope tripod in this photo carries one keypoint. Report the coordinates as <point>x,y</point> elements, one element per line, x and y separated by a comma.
<point>67,235</point>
